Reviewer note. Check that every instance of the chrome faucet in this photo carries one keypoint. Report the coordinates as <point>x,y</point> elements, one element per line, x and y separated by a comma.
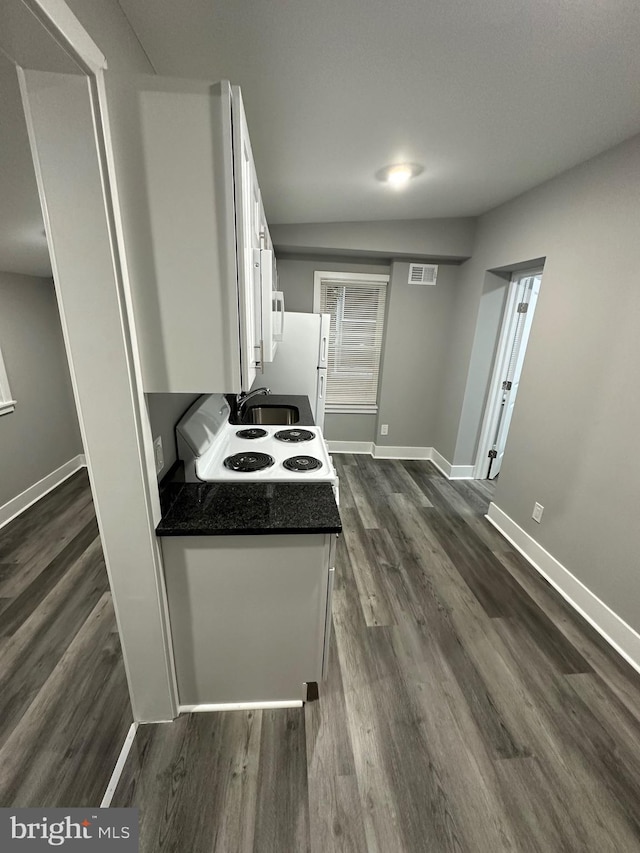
<point>244,396</point>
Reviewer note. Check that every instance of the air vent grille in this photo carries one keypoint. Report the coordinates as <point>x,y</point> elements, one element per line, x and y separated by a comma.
<point>423,273</point>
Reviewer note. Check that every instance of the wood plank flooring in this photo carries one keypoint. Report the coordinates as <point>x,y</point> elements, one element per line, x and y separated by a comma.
<point>467,708</point>
<point>64,703</point>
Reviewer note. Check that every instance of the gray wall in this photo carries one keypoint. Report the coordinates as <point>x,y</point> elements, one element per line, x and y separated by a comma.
<point>42,433</point>
<point>165,410</point>
<point>483,307</point>
<point>296,281</point>
<point>417,325</point>
<point>350,427</point>
<point>418,321</point>
<point>296,278</point>
<point>573,440</point>
<point>403,238</point>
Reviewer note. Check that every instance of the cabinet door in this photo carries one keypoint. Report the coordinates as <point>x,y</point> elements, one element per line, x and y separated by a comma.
<point>171,169</point>
<point>248,207</point>
<point>248,615</point>
<point>271,299</point>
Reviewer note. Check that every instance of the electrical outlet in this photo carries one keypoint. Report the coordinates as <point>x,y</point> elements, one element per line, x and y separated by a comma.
<point>158,454</point>
<point>536,515</point>
<point>384,429</point>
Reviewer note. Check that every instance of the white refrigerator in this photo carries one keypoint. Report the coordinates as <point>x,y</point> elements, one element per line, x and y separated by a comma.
<point>300,364</point>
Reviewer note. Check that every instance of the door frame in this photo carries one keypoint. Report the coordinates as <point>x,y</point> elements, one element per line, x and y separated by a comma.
<point>148,654</point>
<point>505,341</point>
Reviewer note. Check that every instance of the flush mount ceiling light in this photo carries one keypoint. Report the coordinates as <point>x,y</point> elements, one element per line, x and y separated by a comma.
<point>399,174</point>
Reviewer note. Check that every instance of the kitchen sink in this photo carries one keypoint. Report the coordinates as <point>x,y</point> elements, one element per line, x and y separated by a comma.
<point>271,415</point>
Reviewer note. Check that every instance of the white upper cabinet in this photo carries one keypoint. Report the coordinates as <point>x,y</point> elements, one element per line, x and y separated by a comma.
<point>262,310</point>
<point>189,221</point>
<point>248,228</point>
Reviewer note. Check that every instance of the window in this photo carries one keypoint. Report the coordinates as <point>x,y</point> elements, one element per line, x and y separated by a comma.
<point>356,303</point>
<point>7,404</point>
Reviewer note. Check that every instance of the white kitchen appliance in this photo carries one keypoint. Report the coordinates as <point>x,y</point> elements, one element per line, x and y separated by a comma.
<point>300,365</point>
<point>270,307</point>
<point>250,615</point>
<point>214,450</point>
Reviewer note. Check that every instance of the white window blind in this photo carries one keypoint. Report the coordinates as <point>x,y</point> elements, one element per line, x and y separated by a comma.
<point>357,311</point>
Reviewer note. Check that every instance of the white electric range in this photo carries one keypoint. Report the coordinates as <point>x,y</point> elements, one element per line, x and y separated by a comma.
<point>250,615</point>
<point>214,450</point>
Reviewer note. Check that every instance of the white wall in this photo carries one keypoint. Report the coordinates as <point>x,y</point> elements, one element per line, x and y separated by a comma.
<point>573,443</point>
<point>42,433</point>
<point>109,27</point>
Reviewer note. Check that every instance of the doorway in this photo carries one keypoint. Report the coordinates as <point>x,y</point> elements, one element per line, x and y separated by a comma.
<point>61,78</point>
<point>522,297</point>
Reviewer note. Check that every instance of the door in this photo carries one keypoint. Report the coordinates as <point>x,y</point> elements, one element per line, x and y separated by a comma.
<point>521,304</point>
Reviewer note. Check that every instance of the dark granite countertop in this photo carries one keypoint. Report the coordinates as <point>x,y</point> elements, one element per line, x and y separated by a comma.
<point>224,509</point>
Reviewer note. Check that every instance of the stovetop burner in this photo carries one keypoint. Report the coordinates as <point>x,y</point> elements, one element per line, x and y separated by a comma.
<point>302,463</point>
<point>248,462</point>
<point>294,435</point>
<point>252,432</point>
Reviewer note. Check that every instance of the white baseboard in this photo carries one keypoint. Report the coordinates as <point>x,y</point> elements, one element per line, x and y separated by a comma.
<point>117,770</point>
<point>379,451</point>
<point>240,706</point>
<point>25,499</point>
<point>440,462</point>
<point>350,447</point>
<point>624,639</point>
<point>452,472</point>
<point>461,472</point>
<point>383,451</point>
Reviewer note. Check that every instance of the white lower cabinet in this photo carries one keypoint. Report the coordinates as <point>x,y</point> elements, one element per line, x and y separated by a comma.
<point>250,615</point>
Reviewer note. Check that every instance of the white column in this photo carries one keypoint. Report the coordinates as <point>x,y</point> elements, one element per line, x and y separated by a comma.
<point>98,334</point>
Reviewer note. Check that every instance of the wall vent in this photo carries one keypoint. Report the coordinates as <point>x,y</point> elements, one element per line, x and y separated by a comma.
<point>423,273</point>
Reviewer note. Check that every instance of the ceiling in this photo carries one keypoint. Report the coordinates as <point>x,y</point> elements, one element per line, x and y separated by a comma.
<point>491,97</point>
<point>23,246</point>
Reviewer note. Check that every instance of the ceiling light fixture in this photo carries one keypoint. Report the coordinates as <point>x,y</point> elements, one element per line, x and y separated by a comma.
<point>399,174</point>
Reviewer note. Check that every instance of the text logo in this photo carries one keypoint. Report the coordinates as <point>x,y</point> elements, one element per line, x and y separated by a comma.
<point>32,830</point>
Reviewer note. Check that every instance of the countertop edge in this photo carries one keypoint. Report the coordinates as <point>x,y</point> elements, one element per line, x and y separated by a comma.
<point>258,531</point>
<point>253,509</point>
<point>196,509</point>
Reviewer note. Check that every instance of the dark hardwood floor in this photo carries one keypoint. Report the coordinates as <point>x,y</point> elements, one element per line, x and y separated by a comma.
<point>64,703</point>
<point>467,707</point>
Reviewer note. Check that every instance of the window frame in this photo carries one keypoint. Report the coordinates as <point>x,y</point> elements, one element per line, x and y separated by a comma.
<point>7,403</point>
<point>321,276</point>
